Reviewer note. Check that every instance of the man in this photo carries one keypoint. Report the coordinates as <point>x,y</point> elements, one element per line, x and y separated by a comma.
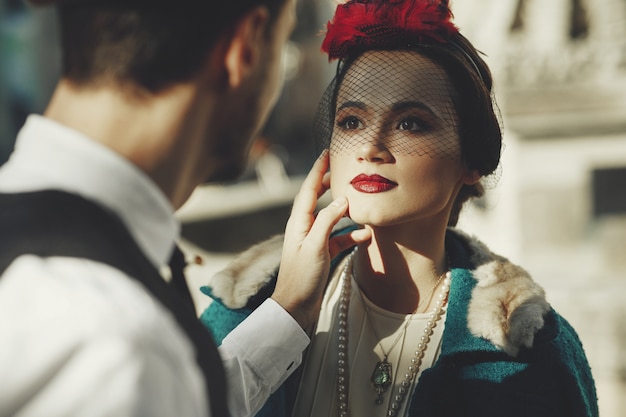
<point>155,98</point>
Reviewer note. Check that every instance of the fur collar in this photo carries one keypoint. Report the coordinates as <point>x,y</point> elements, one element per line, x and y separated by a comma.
<point>506,307</point>
<point>247,274</point>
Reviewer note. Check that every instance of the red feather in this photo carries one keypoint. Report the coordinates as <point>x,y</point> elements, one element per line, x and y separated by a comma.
<point>386,23</point>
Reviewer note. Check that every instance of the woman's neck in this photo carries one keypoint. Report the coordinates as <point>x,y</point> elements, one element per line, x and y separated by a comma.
<point>397,271</point>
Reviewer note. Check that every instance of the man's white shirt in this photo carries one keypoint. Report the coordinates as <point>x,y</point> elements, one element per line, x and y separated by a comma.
<point>80,338</point>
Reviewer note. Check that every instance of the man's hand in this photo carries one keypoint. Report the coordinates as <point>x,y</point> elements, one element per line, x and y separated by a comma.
<point>308,249</point>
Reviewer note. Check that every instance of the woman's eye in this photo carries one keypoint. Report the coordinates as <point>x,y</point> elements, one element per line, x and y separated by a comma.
<point>411,125</point>
<point>350,123</point>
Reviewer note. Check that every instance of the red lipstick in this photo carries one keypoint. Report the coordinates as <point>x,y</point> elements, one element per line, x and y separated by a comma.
<point>372,183</point>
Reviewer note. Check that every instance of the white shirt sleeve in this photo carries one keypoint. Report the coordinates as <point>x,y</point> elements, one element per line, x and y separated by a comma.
<point>259,355</point>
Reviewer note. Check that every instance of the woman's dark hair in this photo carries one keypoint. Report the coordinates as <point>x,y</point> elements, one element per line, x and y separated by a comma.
<point>149,44</point>
<point>479,119</point>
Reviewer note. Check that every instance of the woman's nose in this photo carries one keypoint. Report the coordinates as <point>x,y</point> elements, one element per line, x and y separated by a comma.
<point>374,150</point>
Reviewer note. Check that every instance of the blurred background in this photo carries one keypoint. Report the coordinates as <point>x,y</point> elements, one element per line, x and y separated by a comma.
<point>558,206</point>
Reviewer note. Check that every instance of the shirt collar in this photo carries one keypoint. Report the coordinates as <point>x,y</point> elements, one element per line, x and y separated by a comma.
<point>49,155</point>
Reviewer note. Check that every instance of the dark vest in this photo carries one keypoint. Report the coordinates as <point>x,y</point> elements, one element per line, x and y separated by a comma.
<point>55,223</point>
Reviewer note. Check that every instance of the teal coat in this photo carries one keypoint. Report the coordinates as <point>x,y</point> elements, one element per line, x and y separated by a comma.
<point>505,351</point>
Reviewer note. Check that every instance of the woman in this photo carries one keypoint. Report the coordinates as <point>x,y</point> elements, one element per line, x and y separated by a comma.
<point>421,320</point>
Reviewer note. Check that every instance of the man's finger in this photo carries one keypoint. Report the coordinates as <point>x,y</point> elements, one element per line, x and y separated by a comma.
<point>326,219</point>
<point>342,242</point>
<point>312,187</point>
<point>305,202</point>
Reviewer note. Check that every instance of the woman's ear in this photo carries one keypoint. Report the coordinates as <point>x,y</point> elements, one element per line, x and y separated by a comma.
<point>245,47</point>
<point>471,177</point>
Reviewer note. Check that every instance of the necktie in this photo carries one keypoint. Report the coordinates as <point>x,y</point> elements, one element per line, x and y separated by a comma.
<point>177,266</point>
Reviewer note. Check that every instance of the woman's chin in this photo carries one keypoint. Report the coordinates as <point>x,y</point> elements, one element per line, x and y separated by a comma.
<point>367,219</point>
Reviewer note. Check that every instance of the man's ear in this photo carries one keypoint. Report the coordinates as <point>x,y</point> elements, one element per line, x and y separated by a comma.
<point>245,47</point>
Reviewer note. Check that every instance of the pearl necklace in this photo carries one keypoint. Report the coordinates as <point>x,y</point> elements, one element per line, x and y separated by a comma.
<point>381,377</point>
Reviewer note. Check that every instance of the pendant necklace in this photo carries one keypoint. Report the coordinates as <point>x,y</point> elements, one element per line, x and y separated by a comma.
<point>383,371</point>
<point>382,375</point>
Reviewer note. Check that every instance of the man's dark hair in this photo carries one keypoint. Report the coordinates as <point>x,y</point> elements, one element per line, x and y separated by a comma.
<point>149,44</point>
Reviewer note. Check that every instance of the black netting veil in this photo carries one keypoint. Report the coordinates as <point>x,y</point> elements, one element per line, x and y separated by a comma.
<point>398,100</point>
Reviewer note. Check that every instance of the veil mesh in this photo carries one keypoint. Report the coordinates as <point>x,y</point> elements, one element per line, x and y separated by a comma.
<point>397,100</point>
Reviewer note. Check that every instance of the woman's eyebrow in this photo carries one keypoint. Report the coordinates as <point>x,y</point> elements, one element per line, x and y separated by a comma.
<point>396,107</point>
<point>403,105</point>
<point>357,104</point>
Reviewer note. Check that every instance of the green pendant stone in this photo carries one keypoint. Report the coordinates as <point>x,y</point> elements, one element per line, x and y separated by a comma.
<point>381,377</point>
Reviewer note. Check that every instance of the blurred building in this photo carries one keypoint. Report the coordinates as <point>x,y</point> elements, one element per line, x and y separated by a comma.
<point>559,207</point>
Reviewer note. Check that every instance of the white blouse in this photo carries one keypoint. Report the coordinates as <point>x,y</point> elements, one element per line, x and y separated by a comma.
<point>318,390</point>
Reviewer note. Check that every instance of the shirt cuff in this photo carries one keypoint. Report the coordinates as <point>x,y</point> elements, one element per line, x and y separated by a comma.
<point>272,340</point>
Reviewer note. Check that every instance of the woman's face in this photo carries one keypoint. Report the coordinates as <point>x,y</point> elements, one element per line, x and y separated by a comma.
<point>395,150</point>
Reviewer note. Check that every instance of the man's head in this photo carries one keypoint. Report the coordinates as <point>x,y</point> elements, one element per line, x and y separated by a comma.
<point>226,55</point>
<point>141,43</point>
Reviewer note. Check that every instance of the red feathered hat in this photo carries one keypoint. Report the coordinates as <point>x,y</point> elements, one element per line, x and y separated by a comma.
<point>364,24</point>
